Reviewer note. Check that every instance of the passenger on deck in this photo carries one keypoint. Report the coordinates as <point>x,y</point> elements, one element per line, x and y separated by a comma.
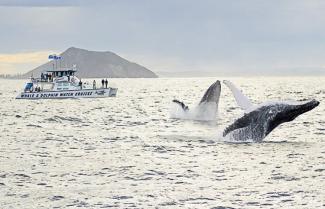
<point>106,83</point>
<point>103,83</point>
<point>80,84</point>
<point>94,84</point>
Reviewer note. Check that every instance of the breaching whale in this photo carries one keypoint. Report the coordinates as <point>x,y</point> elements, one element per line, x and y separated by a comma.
<point>258,121</point>
<point>207,108</point>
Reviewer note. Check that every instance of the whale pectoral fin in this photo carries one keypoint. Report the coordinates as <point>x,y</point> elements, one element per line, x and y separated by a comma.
<point>238,124</point>
<point>212,94</point>
<point>242,101</point>
<point>184,107</point>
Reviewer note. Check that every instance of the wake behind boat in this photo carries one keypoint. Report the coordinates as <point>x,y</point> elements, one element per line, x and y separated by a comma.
<point>61,84</point>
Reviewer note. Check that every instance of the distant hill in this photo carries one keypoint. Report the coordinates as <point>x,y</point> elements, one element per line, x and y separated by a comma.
<point>93,64</point>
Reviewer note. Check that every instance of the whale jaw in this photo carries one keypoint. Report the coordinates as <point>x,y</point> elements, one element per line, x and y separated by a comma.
<point>256,125</point>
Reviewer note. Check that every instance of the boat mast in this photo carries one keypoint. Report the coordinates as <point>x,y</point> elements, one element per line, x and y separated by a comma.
<point>56,58</point>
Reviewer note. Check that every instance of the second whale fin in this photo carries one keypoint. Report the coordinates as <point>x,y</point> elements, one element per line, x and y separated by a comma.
<point>242,101</point>
<point>184,107</point>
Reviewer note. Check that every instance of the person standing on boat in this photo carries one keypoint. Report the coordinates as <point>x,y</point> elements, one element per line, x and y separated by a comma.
<point>106,83</point>
<point>94,84</point>
<point>80,84</point>
<point>103,83</point>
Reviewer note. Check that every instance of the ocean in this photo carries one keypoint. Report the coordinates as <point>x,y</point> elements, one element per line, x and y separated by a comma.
<point>126,152</point>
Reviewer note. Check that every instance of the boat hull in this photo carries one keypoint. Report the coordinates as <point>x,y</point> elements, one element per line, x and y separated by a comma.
<point>85,93</point>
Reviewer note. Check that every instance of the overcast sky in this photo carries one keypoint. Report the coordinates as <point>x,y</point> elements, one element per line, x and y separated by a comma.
<point>168,35</point>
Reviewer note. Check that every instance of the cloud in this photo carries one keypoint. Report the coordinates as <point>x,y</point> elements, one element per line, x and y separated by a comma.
<point>40,3</point>
<point>28,57</point>
<point>22,62</point>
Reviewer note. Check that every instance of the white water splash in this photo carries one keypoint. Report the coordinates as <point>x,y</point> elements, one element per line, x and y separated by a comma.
<point>206,111</point>
<point>230,138</point>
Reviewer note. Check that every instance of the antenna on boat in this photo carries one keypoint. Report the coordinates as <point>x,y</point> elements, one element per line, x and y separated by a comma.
<point>59,58</point>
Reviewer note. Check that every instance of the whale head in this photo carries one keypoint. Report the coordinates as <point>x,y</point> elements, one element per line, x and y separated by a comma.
<point>212,94</point>
<point>257,124</point>
<point>286,112</point>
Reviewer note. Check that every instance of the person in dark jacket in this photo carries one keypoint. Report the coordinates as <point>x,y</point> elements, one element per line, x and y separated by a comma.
<point>106,83</point>
<point>103,83</point>
<point>80,84</point>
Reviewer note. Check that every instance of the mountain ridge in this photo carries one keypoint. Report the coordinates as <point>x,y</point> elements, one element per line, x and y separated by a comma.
<point>94,64</point>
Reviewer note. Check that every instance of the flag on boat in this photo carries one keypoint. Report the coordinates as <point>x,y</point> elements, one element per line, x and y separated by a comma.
<point>54,57</point>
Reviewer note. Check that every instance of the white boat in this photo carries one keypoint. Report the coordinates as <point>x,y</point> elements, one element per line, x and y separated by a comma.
<point>62,84</point>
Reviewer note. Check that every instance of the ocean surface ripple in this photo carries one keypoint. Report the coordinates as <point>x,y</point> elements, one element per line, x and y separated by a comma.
<point>126,152</point>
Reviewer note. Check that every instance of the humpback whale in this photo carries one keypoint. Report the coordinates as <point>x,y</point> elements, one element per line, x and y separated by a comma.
<point>259,120</point>
<point>205,110</point>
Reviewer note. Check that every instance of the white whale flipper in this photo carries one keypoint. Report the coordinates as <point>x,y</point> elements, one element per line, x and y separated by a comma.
<point>242,101</point>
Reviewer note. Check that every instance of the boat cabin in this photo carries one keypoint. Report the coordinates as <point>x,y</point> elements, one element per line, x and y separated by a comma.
<point>54,80</point>
<point>62,72</point>
<point>57,73</point>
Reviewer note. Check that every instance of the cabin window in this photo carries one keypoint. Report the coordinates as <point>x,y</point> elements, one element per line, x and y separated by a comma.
<point>28,86</point>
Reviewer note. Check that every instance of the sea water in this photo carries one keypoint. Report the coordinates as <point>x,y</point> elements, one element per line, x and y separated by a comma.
<point>126,152</point>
